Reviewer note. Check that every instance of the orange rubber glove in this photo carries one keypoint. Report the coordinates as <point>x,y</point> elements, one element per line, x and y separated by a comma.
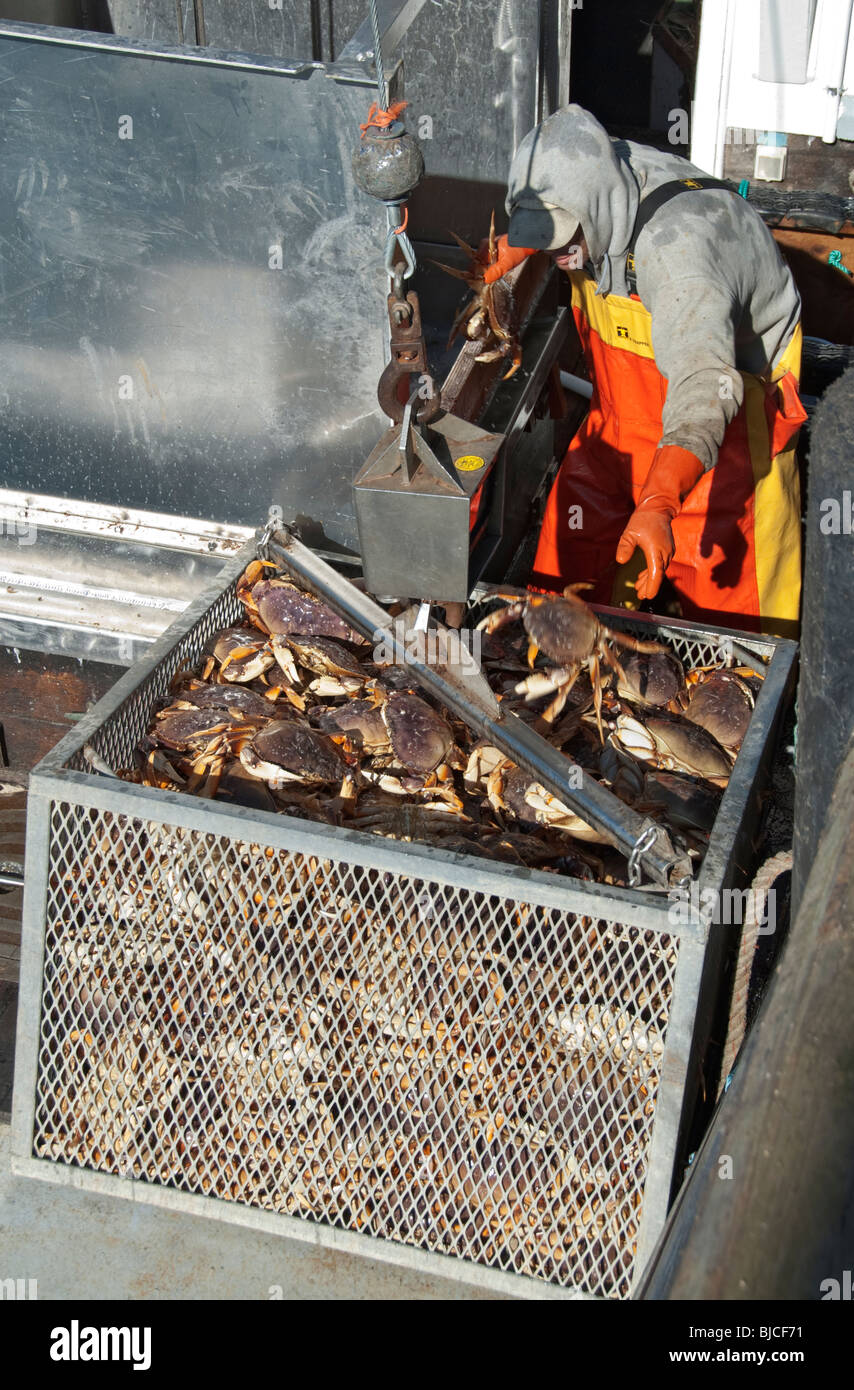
<point>673,473</point>
<point>508,258</point>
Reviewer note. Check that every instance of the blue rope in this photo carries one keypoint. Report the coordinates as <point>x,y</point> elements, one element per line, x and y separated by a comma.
<point>744,188</point>
<point>835,259</point>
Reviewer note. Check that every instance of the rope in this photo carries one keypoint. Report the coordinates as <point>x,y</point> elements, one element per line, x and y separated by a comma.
<point>382,89</point>
<point>756,900</point>
<point>380,118</point>
<point>835,259</point>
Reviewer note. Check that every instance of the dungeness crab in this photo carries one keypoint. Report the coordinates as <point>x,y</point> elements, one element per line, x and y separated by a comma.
<point>490,318</point>
<point>569,633</point>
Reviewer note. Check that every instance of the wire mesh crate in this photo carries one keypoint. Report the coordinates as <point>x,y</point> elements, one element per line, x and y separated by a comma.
<point>469,1068</point>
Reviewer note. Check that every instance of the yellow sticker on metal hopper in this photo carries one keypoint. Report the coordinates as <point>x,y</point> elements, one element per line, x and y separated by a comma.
<point>470,463</point>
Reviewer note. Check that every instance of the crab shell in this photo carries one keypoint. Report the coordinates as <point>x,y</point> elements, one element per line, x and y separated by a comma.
<point>338,671</point>
<point>673,743</point>
<point>322,654</point>
<point>182,730</point>
<point>722,704</point>
<point>240,788</point>
<point>360,720</point>
<point>622,773</point>
<point>564,628</point>
<point>650,678</point>
<point>495,321</point>
<point>234,698</point>
<point>490,318</point>
<point>290,751</point>
<point>569,633</point>
<point>420,738</point>
<point>283,608</point>
<point>242,654</point>
<point>532,804</point>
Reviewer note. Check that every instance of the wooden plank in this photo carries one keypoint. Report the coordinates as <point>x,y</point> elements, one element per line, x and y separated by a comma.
<point>36,694</point>
<point>810,164</point>
<point>827,294</point>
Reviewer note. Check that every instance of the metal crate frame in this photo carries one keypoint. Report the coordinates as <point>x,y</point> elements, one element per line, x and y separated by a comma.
<point>700,951</point>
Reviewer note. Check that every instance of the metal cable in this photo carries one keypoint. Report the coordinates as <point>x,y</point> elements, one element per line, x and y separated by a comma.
<point>394,238</point>
<point>382,89</point>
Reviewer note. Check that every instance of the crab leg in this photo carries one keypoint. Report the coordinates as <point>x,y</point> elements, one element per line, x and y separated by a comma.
<point>467,312</point>
<point>463,245</point>
<point>495,355</point>
<point>564,691</point>
<point>633,643</point>
<point>494,323</point>
<point>467,275</point>
<point>614,663</point>
<point>238,654</point>
<point>596,682</point>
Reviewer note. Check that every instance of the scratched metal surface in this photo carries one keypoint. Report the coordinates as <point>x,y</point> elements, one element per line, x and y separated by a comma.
<point>297,29</point>
<point>472,67</point>
<point>143,264</point>
<point>147,259</point>
<point>474,79</point>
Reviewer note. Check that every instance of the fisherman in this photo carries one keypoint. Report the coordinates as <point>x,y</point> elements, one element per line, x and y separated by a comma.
<point>690,325</point>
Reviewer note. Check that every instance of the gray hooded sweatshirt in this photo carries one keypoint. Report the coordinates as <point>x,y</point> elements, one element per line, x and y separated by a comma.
<point>708,270</point>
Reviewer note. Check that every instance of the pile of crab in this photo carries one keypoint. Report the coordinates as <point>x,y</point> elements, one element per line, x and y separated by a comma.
<point>291,710</point>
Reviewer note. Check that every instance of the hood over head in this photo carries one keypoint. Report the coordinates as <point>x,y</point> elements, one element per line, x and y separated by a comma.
<point>568,172</point>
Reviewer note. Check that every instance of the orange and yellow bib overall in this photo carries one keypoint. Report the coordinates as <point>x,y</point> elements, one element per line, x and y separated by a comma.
<point>737,560</point>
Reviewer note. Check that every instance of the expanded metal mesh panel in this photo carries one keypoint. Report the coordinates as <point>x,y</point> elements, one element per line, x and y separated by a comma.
<point>691,651</point>
<point>462,1071</point>
<point>119,735</point>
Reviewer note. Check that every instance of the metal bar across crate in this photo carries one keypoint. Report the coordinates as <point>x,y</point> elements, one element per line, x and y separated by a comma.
<point>447,1063</point>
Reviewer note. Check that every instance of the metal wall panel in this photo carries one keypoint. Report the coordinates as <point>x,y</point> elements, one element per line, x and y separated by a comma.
<point>251,26</point>
<point>473,69</point>
<point>142,265</point>
<point>483,71</point>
